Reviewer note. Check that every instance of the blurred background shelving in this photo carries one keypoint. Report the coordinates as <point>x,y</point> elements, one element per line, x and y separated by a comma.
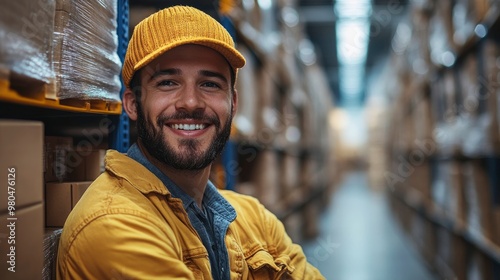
<point>369,127</point>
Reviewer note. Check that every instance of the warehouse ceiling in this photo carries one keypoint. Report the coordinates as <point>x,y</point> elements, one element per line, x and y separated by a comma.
<point>321,19</point>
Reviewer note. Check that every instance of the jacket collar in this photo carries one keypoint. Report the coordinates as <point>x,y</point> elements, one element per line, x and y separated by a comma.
<point>136,154</point>
<point>133,172</point>
<point>131,169</point>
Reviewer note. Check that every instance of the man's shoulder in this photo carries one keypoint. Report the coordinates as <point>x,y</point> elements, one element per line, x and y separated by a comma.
<point>248,208</point>
<point>107,195</point>
<point>112,198</point>
<point>238,199</point>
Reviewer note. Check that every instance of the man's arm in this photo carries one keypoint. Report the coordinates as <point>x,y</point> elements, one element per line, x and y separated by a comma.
<point>257,222</point>
<point>284,247</point>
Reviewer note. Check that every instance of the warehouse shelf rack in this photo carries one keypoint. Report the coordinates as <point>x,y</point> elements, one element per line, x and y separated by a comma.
<point>485,246</point>
<point>416,197</point>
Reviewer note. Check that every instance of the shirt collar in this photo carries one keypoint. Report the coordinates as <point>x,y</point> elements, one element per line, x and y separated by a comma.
<point>212,199</point>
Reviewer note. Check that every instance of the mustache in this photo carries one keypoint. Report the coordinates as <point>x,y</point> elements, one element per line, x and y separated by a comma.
<point>196,115</point>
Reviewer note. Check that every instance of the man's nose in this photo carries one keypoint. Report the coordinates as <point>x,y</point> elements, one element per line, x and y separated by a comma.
<point>190,99</point>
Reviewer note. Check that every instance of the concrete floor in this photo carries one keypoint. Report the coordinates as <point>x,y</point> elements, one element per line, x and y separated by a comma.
<point>360,239</point>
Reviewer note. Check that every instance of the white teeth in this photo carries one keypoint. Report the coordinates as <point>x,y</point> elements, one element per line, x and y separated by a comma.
<point>188,126</point>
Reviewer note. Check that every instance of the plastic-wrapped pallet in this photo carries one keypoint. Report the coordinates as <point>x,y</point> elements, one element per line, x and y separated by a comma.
<point>25,35</point>
<point>86,64</point>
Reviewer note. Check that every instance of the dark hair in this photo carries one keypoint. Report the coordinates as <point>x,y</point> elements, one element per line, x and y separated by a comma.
<point>136,85</point>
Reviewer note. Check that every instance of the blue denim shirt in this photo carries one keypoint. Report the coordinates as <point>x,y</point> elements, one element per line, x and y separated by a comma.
<point>211,222</point>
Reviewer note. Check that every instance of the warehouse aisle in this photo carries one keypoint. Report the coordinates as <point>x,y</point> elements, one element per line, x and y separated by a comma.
<point>360,240</point>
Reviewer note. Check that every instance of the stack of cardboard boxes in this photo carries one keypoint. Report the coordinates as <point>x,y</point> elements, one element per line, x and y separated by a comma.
<point>44,178</point>
<point>68,172</point>
<point>21,206</point>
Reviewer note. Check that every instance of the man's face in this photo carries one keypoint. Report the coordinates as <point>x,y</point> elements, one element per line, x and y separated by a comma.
<point>186,108</point>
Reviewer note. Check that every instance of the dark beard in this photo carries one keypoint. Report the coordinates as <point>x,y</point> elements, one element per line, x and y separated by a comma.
<point>194,159</point>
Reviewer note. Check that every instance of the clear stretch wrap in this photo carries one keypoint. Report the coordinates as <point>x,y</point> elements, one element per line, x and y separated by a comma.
<point>26,28</point>
<point>86,63</point>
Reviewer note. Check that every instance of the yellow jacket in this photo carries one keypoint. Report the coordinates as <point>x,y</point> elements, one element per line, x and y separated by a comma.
<point>128,226</point>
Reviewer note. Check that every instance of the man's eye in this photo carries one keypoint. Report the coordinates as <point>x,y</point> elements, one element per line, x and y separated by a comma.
<point>164,83</point>
<point>211,84</point>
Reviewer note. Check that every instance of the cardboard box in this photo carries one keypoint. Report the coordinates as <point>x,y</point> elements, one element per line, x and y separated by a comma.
<point>481,8</point>
<point>478,199</point>
<point>419,182</point>
<point>267,123</point>
<point>246,116</point>
<point>457,195</point>
<point>64,5</point>
<point>469,87</point>
<point>84,165</point>
<point>266,179</point>
<point>422,116</point>
<point>22,247</point>
<point>496,223</point>
<point>490,51</point>
<point>290,174</point>
<point>55,158</point>
<point>61,21</point>
<point>448,191</point>
<point>21,150</point>
<point>60,198</point>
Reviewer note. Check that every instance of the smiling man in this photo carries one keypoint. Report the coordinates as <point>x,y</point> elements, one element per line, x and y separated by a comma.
<point>154,214</point>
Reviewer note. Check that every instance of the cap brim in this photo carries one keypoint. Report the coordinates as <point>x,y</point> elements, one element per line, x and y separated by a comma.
<point>235,59</point>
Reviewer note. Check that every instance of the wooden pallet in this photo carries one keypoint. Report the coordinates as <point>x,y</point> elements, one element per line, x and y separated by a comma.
<point>35,95</point>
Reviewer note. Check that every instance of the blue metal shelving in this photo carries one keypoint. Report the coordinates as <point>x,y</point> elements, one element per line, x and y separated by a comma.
<point>229,154</point>
<point>119,138</point>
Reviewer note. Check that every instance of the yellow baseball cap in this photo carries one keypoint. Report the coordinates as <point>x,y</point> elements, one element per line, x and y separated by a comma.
<point>172,27</point>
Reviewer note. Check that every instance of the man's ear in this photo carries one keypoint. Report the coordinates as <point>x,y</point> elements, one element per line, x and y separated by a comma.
<point>130,104</point>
